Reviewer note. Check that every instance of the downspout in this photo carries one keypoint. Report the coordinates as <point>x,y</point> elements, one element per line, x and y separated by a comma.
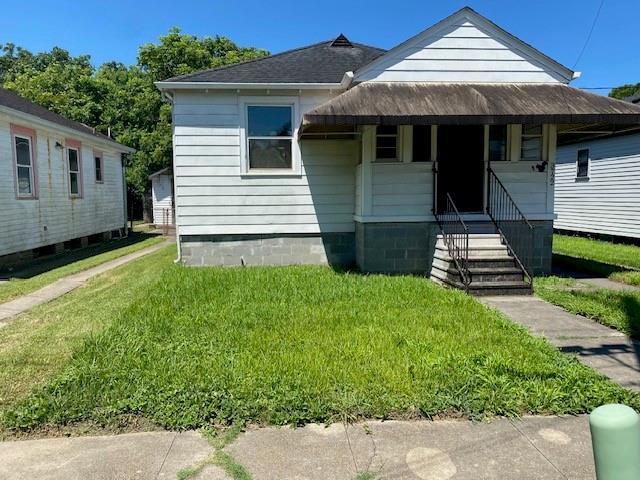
<point>168,96</point>
<point>124,194</point>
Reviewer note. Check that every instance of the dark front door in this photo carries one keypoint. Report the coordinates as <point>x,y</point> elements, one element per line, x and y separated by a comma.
<point>461,167</point>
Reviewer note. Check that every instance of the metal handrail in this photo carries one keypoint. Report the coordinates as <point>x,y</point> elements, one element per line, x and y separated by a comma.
<point>455,235</point>
<point>516,232</point>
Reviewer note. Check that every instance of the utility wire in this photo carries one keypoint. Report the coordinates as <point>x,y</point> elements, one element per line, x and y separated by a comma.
<point>593,26</point>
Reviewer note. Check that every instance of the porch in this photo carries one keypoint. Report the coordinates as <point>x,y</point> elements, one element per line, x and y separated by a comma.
<point>451,176</point>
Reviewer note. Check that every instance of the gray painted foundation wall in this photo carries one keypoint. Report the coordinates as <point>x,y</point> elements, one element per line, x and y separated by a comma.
<point>393,248</point>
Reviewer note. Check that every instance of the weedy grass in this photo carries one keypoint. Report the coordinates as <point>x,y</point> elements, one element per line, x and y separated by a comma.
<point>616,309</point>
<point>40,275</point>
<point>619,262</point>
<point>291,345</point>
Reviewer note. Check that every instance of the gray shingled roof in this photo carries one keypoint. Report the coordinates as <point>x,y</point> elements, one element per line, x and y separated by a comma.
<point>324,62</point>
<point>16,102</point>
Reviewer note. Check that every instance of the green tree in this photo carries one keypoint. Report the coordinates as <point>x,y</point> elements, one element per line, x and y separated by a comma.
<point>624,91</point>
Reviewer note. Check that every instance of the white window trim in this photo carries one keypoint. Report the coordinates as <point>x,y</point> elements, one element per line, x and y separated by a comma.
<point>32,179</point>
<point>296,163</point>
<point>588,175</point>
<point>400,158</point>
<point>77,172</point>
<point>99,155</point>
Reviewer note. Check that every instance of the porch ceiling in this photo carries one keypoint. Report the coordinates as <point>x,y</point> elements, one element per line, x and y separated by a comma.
<point>384,103</point>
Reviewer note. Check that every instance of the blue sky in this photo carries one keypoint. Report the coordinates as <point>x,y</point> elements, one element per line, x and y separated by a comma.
<point>113,30</point>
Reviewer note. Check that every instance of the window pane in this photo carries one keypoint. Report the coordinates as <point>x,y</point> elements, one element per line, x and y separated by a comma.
<point>531,149</point>
<point>269,153</point>
<point>421,143</point>
<point>73,183</point>
<point>497,143</point>
<point>269,121</point>
<point>24,181</point>
<point>386,130</point>
<point>386,142</point>
<point>98,162</point>
<point>532,129</point>
<point>583,163</point>
<point>23,151</point>
<point>73,160</point>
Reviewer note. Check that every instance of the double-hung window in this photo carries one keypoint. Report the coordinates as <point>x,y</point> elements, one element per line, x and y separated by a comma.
<point>582,163</point>
<point>531,150</point>
<point>99,166</point>
<point>269,137</point>
<point>24,159</point>
<point>387,143</point>
<point>74,163</point>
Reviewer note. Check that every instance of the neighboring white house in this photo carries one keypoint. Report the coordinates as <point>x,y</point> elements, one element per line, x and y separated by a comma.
<point>598,183</point>
<point>343,153</point>
<point>162,197</point>
<point>60,180</point>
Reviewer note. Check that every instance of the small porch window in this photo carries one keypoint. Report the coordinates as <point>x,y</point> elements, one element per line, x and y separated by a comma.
<point>582,164</point>
<point>498,143</point>
<point>387,143</point>
<point>421,143</point>
<point>270,136</point>
<point>531,150</point>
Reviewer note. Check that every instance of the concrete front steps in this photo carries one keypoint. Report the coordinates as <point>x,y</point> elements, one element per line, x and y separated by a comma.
<point>493,270</point>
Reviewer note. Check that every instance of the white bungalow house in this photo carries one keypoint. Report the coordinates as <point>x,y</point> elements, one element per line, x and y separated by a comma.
<point>435,156</point>
<point>60,181</point>
<point>598,180</point>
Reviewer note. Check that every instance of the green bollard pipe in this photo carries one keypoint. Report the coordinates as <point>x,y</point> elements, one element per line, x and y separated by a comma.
<point>615,436</point>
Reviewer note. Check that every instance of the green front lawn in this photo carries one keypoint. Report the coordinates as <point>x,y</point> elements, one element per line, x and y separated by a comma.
<point>193,347</point>
<point>49,270</point>
<point>616,309</point>
<point>617,261</point>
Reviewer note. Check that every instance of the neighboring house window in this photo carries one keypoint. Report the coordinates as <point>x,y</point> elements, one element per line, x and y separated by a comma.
<point>387,143</point>
<point>23,146</point>
<point>421,143</point>
<point>498,136</point>
<point>582,163</point>
<point>99,166</point>
<point>74,162</point>
<point>270,136</point>
<point>531,143</point>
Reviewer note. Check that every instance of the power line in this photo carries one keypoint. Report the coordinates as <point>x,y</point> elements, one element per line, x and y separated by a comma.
<point>593,26</point>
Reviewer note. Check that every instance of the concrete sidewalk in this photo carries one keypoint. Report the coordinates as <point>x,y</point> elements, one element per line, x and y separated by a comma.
<point>529,448</point>
<point>602,348</point>
<point>58,288</point>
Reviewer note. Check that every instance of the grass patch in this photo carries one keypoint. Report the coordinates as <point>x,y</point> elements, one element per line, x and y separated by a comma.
<point>39,343</point>
<point>619,262</point>
<point>222,346</point>
<point>48,271</point>
<point>616,309</point>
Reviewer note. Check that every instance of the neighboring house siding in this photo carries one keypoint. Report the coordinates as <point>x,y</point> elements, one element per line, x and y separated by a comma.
<point>460,53</point>
<point>55,217</point>
<point>609,201</point>
<point>213,198</point>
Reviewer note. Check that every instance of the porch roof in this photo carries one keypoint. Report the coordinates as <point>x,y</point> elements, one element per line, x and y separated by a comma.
<point>395,103</point>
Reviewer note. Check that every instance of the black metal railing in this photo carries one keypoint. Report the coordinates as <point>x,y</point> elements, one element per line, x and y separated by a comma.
<point>455,235</point>
<point>516,232</point>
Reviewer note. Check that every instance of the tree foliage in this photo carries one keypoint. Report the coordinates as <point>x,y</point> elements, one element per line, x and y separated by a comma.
<point>624,91</point>
<point>117,98</point>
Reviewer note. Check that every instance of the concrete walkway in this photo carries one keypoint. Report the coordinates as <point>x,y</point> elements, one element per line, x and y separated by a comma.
<point>589,280</point>
<point>606,350</point>
<point>529,448</point>
<point>140,456</point>
<point>58,288</point>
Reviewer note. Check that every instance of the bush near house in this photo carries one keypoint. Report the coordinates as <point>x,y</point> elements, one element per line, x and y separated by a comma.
<point>195,347</point>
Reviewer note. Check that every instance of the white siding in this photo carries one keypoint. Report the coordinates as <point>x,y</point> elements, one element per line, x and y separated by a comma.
<point>462,52</point>
<point>609,202</point>
<point>527,186</point>
<point>162,197</point>
<point>55,217</point>
<point>212,197</point>
<point>402,190</point>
